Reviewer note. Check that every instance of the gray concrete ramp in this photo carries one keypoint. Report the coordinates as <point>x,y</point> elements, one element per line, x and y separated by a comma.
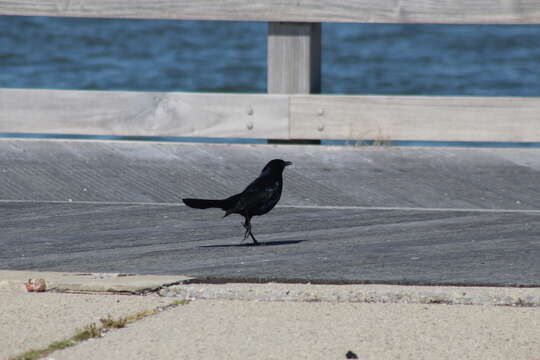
<point>389,215</point>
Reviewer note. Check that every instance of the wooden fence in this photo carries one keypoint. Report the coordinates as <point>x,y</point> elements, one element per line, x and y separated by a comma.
<point>292,109</point>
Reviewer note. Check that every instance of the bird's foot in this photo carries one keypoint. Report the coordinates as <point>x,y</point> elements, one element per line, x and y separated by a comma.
<point>255,242</point>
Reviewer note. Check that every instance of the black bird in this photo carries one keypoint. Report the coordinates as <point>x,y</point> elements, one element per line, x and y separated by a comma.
<point>258,198</point>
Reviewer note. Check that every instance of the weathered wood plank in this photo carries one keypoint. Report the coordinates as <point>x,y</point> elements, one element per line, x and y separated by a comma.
<point>294,58</point>
<point>321,176</point>
<point>143,113</point>
<point>439,215</point>
<point>433,118</point>
<point>383,11</point>
<point>270,116</point>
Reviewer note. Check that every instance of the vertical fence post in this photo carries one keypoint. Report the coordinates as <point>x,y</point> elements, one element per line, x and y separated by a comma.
<point>294,60</point>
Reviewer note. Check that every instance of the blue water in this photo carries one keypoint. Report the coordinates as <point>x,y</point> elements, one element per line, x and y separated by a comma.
<point>165,55</point>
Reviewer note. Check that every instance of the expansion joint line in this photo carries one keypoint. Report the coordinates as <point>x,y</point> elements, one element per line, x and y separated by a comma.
<point>307,207</point>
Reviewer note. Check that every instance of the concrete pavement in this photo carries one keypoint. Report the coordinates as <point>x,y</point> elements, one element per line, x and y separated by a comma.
<point>269,321</point>
<point>218,329</point>
<point>35,320</point>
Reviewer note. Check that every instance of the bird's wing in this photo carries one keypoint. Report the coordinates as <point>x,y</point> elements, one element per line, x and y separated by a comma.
<point>258,193</point>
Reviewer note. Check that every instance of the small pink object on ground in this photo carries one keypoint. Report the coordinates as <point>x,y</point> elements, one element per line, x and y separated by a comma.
<point>36,285</point>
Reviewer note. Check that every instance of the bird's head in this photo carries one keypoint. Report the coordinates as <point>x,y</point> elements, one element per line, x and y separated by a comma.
<point>275,166</point>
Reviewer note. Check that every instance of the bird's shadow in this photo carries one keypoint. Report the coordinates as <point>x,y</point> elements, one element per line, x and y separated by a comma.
<point>261,244</point>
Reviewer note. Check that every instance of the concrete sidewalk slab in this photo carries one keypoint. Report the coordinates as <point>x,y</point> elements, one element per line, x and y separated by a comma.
<point>270,321</point>
<point>90,282</point>
<point>181,287</point>
<point>450,295</point>
<point>207,329</point>
<point>35,320</point>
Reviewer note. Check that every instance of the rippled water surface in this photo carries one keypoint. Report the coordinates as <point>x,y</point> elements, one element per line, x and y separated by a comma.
<point>69,53</point>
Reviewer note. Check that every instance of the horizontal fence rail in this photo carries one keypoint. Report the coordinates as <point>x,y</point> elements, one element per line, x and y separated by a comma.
<point>125,113</point>
<point>294,68</point>
<point>437,118</point>
<point>385,118</point>
<point>366,11</point>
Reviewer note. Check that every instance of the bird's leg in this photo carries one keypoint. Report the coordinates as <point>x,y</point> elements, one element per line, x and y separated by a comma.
<point>246,234</point>
<point>248,230</point>
<point>253,237</point>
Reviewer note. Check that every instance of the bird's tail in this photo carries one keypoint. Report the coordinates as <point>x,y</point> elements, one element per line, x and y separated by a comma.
<point>225,204</point>
<point>203,203</point>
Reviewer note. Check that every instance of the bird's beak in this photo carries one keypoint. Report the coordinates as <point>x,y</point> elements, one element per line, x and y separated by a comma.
<point>287,163</point>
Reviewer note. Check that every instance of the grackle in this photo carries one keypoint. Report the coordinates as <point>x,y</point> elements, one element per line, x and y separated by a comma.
<point>258,198</point>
